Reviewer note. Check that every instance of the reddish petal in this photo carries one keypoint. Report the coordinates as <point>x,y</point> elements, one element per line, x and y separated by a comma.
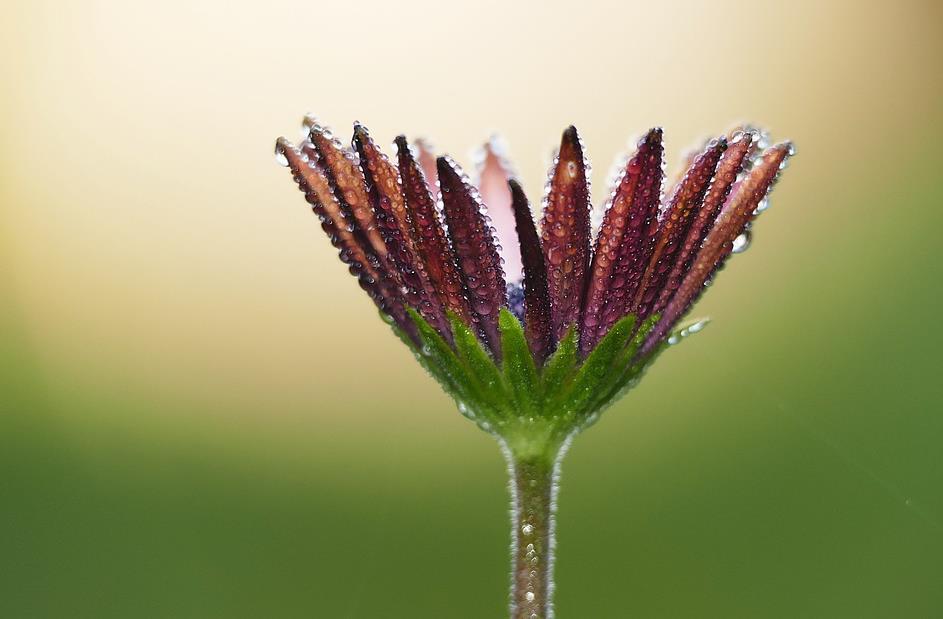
<point>494,174</point>
<point>728,169</point>
<point>389,204</point>
<point>684,204</point>
<point>473,242</point>
<point>536,295</point>
<point>733,219</point>
<point>565,234</point>
<point>625,241</point>
<point>348,183</point>
<point>431,242</point>
<point>360,259</point>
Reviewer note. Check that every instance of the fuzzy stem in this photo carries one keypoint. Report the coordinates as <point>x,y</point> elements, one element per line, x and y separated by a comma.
<point>533,507</point>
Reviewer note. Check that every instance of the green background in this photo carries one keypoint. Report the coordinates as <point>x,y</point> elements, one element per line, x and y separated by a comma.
<point>202,417</point>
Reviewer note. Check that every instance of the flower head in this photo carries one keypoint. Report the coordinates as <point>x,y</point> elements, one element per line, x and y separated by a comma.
<point>533,330</point>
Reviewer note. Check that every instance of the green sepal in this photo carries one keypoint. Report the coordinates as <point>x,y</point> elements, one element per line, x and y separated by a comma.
<point>639,367</point>
<point>438,358</point>
<point>488,383</point>
<point>596,370</point>
<point>520,371</point>
<point>560,367</point>
<point>527,405</point>
<point>625,369</point>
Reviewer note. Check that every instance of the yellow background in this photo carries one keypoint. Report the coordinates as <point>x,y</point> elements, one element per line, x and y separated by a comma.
<point>203,417</point>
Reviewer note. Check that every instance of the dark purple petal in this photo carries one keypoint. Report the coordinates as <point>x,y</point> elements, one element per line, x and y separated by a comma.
<point>536,296</point>
<point>733,219</point>
<point>431,242</point>
<point>684,204</point>
<point>342,170</point>
<point>625,241</point>
<point>359,258</point>
<point>473,243</point>
<point>728,169</point>
<point>389,204</point>
<point>565,234</point>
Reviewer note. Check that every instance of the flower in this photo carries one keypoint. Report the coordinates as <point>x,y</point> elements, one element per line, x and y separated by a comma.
<point>533,330</point>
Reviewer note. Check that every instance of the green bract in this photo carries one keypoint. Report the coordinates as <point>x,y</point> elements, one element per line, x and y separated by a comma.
<point>532,407</point>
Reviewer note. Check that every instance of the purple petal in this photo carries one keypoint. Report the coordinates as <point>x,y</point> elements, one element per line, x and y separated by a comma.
<point>625,241</point>
<point>359,258</point>
<point>565,234</point>
<point>389,204</point>
<point>473,243</point>
<point>727,171</point>
<point>684,204</point>
<point>346,179</point>
<point>431,242</point>
<point>733,219</point>
<point>536,296</point>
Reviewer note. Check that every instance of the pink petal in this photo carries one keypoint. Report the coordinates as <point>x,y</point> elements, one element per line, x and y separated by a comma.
<point>494,174</point>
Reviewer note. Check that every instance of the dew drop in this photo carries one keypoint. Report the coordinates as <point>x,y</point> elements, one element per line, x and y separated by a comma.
<point>687,330</point>
<point>527,529</point>
<point>280,157</point>
<point>742,242</point>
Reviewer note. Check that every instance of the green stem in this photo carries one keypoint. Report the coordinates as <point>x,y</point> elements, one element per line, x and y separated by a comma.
<point>533,507</point>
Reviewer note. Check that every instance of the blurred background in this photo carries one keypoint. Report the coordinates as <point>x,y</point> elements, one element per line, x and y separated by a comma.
<point>201,415</point>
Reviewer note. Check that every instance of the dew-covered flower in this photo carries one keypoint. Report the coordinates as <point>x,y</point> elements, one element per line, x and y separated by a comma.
<point>534,329</point>
<point>525,325</point>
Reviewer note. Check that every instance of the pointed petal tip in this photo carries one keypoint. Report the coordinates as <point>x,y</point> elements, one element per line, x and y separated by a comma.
<point>495,145</point>
<point>571,136</point>
<point>310,121</point>
<point>788,146</point>
<point>445,164</point>
<point>401,142</point>
<point>571,146</point>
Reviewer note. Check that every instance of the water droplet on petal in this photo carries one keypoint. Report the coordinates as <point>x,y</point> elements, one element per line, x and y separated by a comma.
<point>280,157</point>
<point>742,242</point>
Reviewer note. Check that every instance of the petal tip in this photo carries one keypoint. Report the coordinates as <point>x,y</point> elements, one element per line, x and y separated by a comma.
<point>572,137</point>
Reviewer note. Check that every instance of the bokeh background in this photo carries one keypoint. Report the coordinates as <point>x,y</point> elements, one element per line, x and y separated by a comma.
<point>202,417</point>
